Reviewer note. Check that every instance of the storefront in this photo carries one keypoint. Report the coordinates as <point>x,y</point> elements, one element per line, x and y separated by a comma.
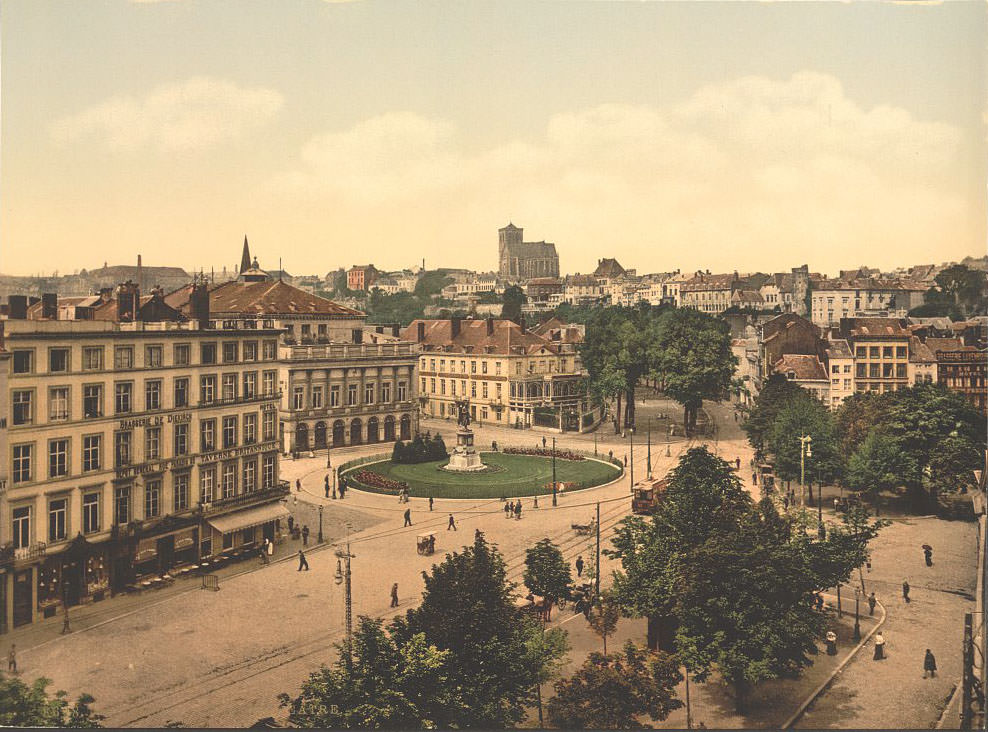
<point>247,528</point>
<point>77,575</point>
<point>157,555</point>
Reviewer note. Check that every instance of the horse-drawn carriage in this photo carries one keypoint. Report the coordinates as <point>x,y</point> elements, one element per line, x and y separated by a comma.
<point>426,544</point>
<point>584,529</point>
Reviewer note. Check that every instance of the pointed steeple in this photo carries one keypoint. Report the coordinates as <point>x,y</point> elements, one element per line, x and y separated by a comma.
<point>245,257</point>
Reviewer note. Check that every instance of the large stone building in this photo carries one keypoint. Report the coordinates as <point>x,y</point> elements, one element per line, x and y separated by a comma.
<point>137,441</point>
<point>511,375</point>
<point>339,385</point>
<point>522,260</point>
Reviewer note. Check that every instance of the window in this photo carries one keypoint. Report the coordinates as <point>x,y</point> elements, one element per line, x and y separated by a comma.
<point>250,384</point>
<point>58,359</point>
<point>250,476</point>
<point>57,510</point>
<point>230,352</point>
<point>835,369</point>
<point>432,385</point>
<point>484,395</point>
<point>298,397</point>
<point>873,352</point>
<point>23,406</point>
<point>268,350</point>
<point>268,383</point>
<point>887,370</point>
<point>442,386</point>
<point>473,388</point>
<point>473,367</point>
<point>121,448</point>
<point>92,401</point>
<point>180,493</point>
<point>123,357</point>
<point>121,505</point>
<point>181,446</point>
<point>900,371</point>
<point>317,397</point>
<point>250,429</point>
<point>267,425</point>
<point>90,513</point>
<point>847,368</point>
<point>886,351</point>
<point>483,367</point>
<point>22,463</point>
<point>402,391</point>
<point>23,362</point>
<point>229,432</point>
<point>900,352</point>
<point>497,368</point>
<point>207,484</point>
<point>207,389</point>
<point>267,472</point>
<point>152,357</point>
<point>499,392</point>
<point>386,392</point>
<point>229,480</point>
<point>250,350</point>
<point>229,388</point>
<point>452,387</point>
<point>58,458</point>
<point>442,364</point>
<point>835,382</point>
<point>861,352</point>
<point>847,383</point>
<point>873,371</point>
<point>463,388</point>
<point>58,403</point>
<point>92,452</point>
<point>334,396</point>
<point>92,358</point>
<point>152,443</point>
<point>21,527</point>
<point>351,396</point>
<point>181,354</point>
<point>122,393</point>
<point>152,394</point>
<point>181,392</point>
<point>152,499</point>
<point>207,353</point>
<point>432,364</point>
<point>207,435</point>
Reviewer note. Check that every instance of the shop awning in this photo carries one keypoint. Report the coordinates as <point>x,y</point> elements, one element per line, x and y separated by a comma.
<point>248,518</point>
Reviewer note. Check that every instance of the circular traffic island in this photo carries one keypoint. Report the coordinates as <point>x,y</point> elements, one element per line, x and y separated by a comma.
<point>505,475</point>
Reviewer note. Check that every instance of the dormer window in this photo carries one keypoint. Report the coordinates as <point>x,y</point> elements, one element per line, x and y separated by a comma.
<point>791,376</point>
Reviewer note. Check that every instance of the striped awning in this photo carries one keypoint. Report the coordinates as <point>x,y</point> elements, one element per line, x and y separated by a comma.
<point>248,517</point>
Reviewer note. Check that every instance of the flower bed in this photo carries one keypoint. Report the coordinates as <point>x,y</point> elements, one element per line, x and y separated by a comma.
<point>544,452</point>
<point>375,480</point>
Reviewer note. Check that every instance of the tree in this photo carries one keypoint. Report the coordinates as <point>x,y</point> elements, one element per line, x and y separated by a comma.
<point>514,298</point>
<point>546,572</point>
<point>964,286</point>
<point>604,616</point>
<point>691,354</point>
<point>856,417</point>
<point>431,283</point>
<point>390,685</point>
<point>612,692</point>
<point>805,415</point>
<point>846,547</point>
<point>467,609</point>
<point>777,392</point>
<point>877,466</point>
<point>22,705</point>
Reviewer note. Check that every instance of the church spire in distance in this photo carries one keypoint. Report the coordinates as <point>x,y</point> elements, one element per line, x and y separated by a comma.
<point>245,257</point>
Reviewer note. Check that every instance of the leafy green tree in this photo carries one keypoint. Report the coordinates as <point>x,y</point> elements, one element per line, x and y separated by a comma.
<point>467,610</point>
<point>614,692</point>
<point>513,299</point>
<point>805,415</point>
<point>546,572</point>
<point>877,466</point>
<point>964,286</point>
<point>777,392</point>
<point>936,309</point>
<point>23,705</point>
<point>431,283</point>
<point>604,616</point>
<point>847,546</point>
<point>691,354</point>
<point>390,685</point>
<point>857,416</point>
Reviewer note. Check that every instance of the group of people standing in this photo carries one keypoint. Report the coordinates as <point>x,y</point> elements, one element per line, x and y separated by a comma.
<point>513,508</point>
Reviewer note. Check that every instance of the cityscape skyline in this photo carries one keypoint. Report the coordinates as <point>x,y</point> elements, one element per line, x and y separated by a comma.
<point>836,134</point>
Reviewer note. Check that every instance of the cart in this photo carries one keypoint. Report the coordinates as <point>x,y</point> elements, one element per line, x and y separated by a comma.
<point>584,529</point>
<point>426,544</point>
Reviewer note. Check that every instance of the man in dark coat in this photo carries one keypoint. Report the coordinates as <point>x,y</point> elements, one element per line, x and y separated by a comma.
<point>929,665</point>
<point>302,561</point>
<point>408,517</point>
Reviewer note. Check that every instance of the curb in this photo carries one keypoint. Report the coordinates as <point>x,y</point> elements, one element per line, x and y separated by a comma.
<point>840,667</point>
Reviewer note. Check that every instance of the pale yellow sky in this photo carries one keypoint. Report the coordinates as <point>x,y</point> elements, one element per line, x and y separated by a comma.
<point>670,135</point>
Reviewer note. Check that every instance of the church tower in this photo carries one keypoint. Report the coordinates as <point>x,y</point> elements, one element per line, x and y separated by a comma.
<point>245,257</point>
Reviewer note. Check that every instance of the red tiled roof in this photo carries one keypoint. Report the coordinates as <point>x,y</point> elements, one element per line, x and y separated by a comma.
<point>507,339</point>
<point>804,367</point>
<point>272,297</point>
<point>894,327</point>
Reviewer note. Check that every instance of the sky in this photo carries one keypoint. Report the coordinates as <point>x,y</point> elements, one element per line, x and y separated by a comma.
<point>696,135</point>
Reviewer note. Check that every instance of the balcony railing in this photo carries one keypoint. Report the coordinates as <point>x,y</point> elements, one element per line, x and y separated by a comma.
<point>262,495</point>
<point>346,351</point>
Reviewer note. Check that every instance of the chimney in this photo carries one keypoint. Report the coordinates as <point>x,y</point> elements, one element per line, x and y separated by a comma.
<point>49,306</point>
<point>127,302</point>
<point>521,324</point>
<point>17,305</point>
<point>199,302</point>
<point>396,329</point>
<point>140,274</point>
<point>490,327</point>
<point>420,334</point>
<point>454,327</point>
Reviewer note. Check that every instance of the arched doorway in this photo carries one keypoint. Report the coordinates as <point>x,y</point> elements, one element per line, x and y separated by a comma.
<point>406,427</point>
<point>301,436</point>
<point>355,432</point>
<point>320,435</point>
<point>389,428</point>
<point>339,433</point>
<point>372,435</point>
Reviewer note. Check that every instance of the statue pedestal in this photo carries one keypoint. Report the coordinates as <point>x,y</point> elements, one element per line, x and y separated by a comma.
<point>464,457</point>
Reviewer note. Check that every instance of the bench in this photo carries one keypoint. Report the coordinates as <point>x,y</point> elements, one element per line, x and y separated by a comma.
<point>210,582</point>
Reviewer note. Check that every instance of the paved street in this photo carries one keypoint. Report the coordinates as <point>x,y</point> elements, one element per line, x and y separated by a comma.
<point>188,658</point>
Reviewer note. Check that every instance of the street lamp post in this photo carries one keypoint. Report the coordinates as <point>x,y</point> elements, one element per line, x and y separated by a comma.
<point>669,441</point>
<point>595,443</point>
<point>648,434</point>
<point>320,523</point>
<point>857,623</point>
<point>553,471</point>
<point>821,529</point>
<point>631,434</point>
<point>805,451</point>
<point>341,578</point>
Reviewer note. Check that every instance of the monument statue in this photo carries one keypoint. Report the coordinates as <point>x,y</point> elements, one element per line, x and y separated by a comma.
<point>463,413</point>
<point>465,456</point>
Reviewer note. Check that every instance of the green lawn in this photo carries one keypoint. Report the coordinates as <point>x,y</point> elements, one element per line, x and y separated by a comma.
<point>520,475</point>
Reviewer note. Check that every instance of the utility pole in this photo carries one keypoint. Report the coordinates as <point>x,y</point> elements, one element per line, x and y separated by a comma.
<point>805,451</point>
<point>320,523</point>
<point>648,433</point>
<point>343,577</point>
<point>821,530</point>
<point>689,716</point>
<point>631,434</point>
<point>596,577</point>
<point>553,475</point>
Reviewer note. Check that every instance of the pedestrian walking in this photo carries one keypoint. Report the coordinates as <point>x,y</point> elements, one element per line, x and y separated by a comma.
<point>879,647</point>
<point>610,455</point>
<point>264,552</point>
<point>303,563</point>
<point>291,524</point>
<point>754,478</point>
<point>785,503</point>
<point>12,659</point>
<point>737,463</point>
<point>831,639</point>
<point>430,503</point>
<point>626,461</point>
<point>905,590</point>
<point>452,523</point>
<point>929,665</point>
<point>342,489</point>
<point>509,508</point>
<point>928,554</point>
<point>394,595</point>
<point>518,510</point>
<point>408,517</point>
<point>819,602</point>
<point>305,536</point>
<point>872,601</point>
<point>543,442</point>
<point>298,484</point>
<point>579,567</point>
<point>334,492</point>
<point>326,481</point>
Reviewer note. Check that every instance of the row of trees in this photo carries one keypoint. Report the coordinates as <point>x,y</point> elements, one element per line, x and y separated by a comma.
<point>920,439</point>
<point>420,450</point>
<point>687,352</point>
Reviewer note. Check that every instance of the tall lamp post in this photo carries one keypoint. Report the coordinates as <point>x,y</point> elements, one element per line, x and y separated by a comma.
<point>648,434</point>
<point>553,471</point>
<point>631,434</point>
<point>857,623</point>
<point>669,441</point>
<point>341,578</point>
<point>320,523</point>
<point>805,451</point>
